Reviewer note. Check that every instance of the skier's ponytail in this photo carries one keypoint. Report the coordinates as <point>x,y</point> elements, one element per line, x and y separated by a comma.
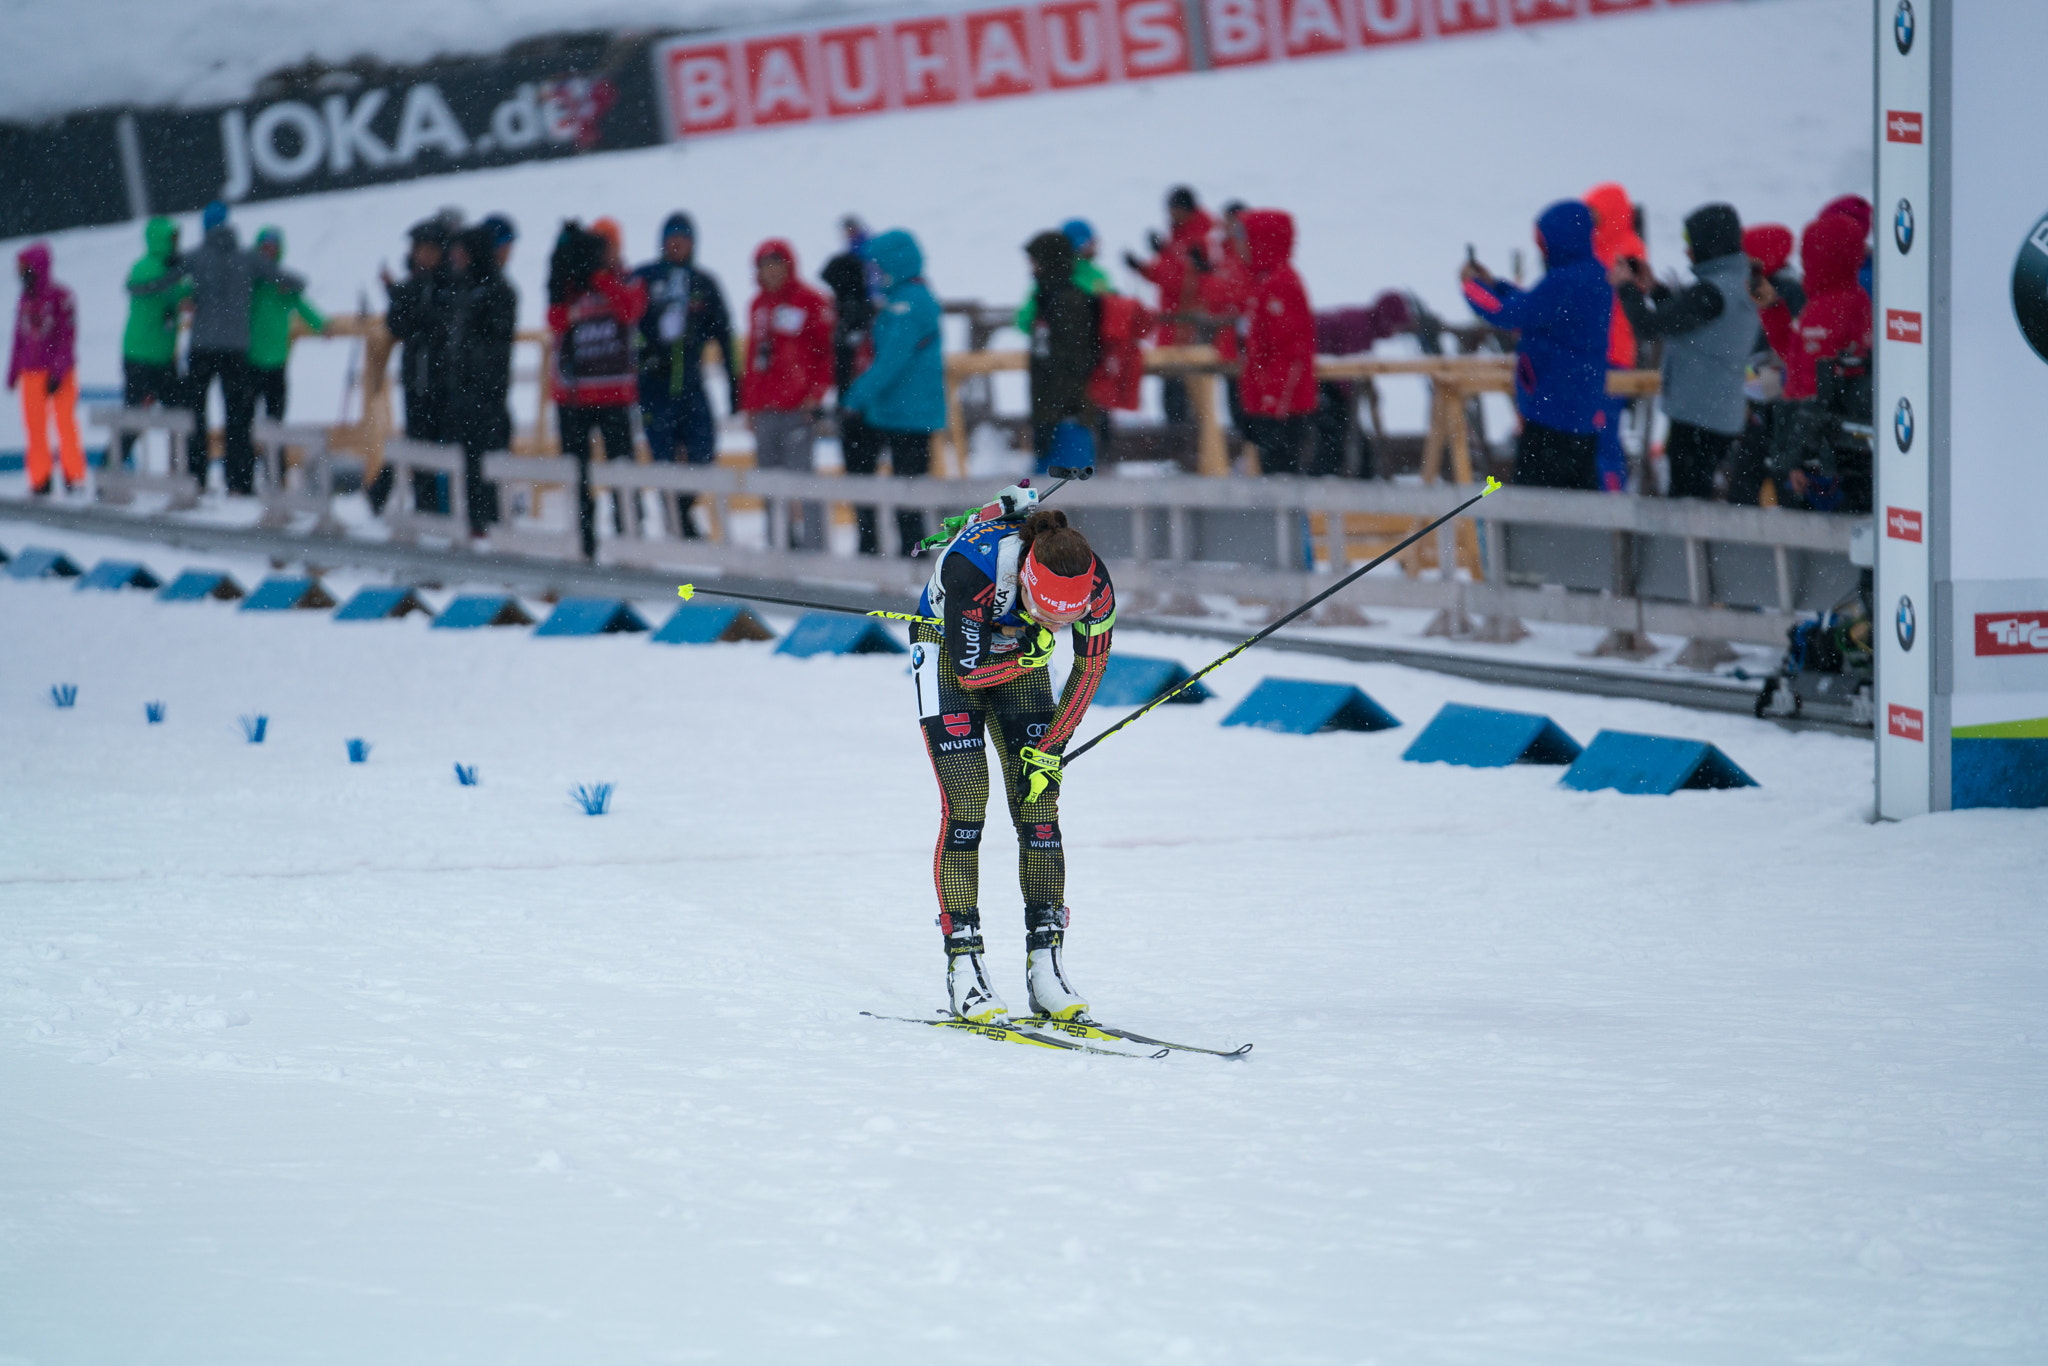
<point>1059,547</point>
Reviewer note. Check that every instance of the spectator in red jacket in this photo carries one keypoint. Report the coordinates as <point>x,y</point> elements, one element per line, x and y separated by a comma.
<point>1278,384</point>
<point>789,368</point>
<point>1836,318</point>
<point>593,307</point>
<point>1175,270</point>
<point>1615,239</point>
<point>44,363</point>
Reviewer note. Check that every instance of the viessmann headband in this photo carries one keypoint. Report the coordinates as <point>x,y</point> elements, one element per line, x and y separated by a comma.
<point>1063,596</point>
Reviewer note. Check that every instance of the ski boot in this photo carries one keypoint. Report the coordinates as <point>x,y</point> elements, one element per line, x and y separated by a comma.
<point>1045,927</point>
<point>967,990</point>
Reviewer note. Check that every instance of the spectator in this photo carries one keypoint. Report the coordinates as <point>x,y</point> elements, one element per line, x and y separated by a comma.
<point>849,276</point>
<point>270,327</point>
<point>418,319</point>
<point>685,311</point>
<point>1561,359</point>
<point>1065,344</point>
<point>1174,269</point>
<point>224,279</point>
<point>1350,332</point>
<point>789,370</point>
<point>592,310</point>
<point>1615,238</point>
<point>1278,383</point>
<point>1089,276</point>
<point>902,394</point>
<point>44,363</point>
<point>149,345</point>
<point>1831,332</point>
<point>1859,211</point>
<point>1768,247</point>
<point>481,323</point>
<point>1709,332</point>
<point>503,234</point>
<point>1221,294</point>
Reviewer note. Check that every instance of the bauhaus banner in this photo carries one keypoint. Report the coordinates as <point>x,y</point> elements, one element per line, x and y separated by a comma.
<point>727,83</point>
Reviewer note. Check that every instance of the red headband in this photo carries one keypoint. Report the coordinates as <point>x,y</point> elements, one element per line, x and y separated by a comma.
<point>1061,595</point>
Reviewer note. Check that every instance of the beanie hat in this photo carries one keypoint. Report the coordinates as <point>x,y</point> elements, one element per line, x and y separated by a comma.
<point>678,224</point>
<point>213,215</point>
<point>501,229</point>
<point>1713,231</point>
<point>609,230</point>
<point>1079,232</point>
<point>1181,197</point>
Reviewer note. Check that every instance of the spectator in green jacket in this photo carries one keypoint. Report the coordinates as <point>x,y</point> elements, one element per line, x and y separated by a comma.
<point>270,327</point>
<point>1090,277</point>
<point>149,346</point>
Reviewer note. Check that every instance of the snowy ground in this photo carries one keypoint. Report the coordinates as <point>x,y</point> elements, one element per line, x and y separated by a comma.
<point>1391,161</point>
<point>311,1062</point>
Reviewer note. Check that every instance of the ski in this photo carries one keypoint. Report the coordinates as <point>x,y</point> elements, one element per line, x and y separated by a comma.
<point>1085,1028</point>
<point>1010,1033</point>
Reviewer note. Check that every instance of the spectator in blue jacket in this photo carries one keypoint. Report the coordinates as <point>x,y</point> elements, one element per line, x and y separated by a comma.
<point>902,395</point>
<point>1561,358</point>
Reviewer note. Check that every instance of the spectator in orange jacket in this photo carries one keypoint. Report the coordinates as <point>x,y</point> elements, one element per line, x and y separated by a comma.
<point>1174,270</point>
<point>1278,384</point>
<point>1615,239</point>
<point>593,307</point>
<point>789,368</point>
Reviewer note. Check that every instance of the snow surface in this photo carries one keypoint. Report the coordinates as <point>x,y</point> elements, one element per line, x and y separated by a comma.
<point>306,1061</point>
<point>1391,161</point>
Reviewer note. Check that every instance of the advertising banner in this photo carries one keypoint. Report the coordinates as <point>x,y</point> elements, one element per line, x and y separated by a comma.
<point>730,83</point>
<point>1962,292</point>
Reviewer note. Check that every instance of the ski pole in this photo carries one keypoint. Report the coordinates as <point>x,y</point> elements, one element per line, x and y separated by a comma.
<point>690,590</point>
<point>1236,650</point>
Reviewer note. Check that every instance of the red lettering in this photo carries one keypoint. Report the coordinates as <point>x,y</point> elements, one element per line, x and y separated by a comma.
<point>1542,11</point>
<point>1076,43</point>
<point>2012,633</point>
<point>1618,6</point>
<point>1155,38</point>
<point>999,54</point>
<point>1454,17</point>
<point>852,59</point>
<point>924,56</point>
<point>1237,32</point>
<point>1311,27</point>
<point>1389,21</point>
<point>701,98</point>
<point>779,80</point>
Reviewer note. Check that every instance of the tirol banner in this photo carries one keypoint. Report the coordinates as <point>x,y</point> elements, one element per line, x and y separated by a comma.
<point>340,130</point>
<point>724,83</point>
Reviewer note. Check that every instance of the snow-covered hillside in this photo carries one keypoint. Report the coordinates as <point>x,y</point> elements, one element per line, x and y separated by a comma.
<point>1392,162</point>
<point>311,1062</point>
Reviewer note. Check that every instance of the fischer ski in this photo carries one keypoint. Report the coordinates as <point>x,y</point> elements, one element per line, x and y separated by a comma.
<point>1005,1032</point>
<point>1085,1028</point>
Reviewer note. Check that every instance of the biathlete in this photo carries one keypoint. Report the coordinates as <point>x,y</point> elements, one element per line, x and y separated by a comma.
<point>1003,587</point>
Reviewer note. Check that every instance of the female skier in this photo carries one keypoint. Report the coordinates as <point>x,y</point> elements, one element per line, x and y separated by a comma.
<point>1003,587</point>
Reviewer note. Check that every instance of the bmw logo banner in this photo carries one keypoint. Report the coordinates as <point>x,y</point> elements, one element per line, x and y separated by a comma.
<point>1902,426</point>
<point>1906,623</point>
<point>1902,27</point>
<point>1902,227</point>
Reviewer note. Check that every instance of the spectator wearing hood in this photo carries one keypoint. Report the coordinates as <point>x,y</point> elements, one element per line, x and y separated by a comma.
<point>902,393</point>
<point>850,277</point>
<point>1561,358</point>
<point>1615,238</point>
<point>685,312</point>
<point>593,309</point>
<point>418,320</point>
<point>1769,248</point>
<point>1176,267</point>
<point>1709,332</point>
<point>482,320</point>
<point>1066,343</point>
<point>789,371</point>
<point>1859,211</point>
<point>270,327</point>
<point>44,362</point>
<point>224,279</point>
<point>1834,328</point>
<point>149,344</point>
<point>1278,383</point>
